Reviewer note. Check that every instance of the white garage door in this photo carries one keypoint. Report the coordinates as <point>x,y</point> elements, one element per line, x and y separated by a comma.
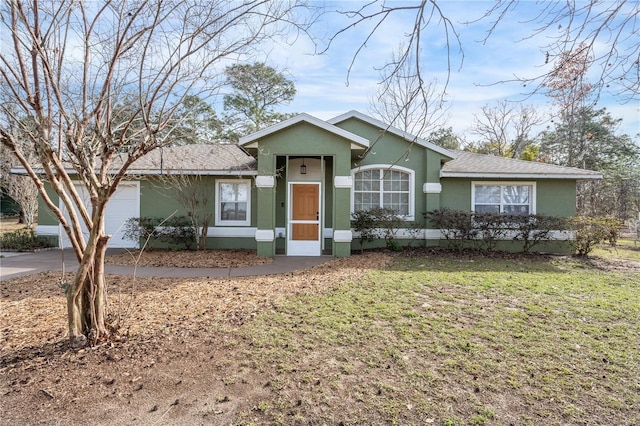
<point>124,204</point>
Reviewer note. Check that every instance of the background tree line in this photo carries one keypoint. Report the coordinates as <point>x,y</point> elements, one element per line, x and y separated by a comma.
<point>574,132</point>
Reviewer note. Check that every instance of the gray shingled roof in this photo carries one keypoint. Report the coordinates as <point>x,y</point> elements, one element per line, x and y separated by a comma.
<point>199,158</point>
<point>467,164</point>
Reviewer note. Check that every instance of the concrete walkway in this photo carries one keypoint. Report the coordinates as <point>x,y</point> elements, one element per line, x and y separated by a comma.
<point>14,265</point>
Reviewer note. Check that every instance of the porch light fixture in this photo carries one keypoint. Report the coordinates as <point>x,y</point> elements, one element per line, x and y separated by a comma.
<point>303,168</point>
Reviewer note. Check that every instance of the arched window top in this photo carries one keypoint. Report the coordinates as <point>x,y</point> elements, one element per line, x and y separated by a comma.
<point>384,186</point>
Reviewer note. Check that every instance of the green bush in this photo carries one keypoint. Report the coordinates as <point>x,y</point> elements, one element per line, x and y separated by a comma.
<point>377,223</point>
<point>591,231</point>
<point>491,227</point>
<point>175,232</point>
<point>388,222</point>
<point>456,226</point>
<point>364,224</point>
<point>461,227</point>
<point>23,240</point>
<point>534,229</point>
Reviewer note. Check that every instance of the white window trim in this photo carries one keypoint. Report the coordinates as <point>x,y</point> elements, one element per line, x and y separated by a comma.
<point>218,212</point>
<point>389,167</point>
<point>532,184</point>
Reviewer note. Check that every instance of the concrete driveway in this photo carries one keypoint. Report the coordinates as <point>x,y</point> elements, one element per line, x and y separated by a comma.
<point>14,265</point>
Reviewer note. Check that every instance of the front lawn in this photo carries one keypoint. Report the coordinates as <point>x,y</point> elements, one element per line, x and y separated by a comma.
<point>417,338</point>
<point>625,250</point>
<point>456,341</point>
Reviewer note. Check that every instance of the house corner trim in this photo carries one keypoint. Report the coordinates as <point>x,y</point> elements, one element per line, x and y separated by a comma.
<point>432,188</point>
<point>265,181</point>
<point>344,236</point>
<point>264,235</point>
<point>343,182</point>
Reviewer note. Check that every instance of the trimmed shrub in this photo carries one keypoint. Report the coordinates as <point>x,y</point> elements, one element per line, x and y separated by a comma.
<point>456,226</point>
<point>377,223</point>
<point>388,222</point>
<point>534,229</point>
<point>461,228</point>
<point>23,240</point>
<point>590,231</point>
<point>364,223</point>
<point>176,232</point>
<point>491,227</point>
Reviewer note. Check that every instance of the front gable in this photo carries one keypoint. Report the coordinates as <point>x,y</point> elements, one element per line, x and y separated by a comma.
<point>293,134</point>
<point>375,130</point>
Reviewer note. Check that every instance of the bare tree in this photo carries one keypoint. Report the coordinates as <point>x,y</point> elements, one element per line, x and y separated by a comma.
<point>426,14</point>
<point>572,93</point>
<point>505,128</point>
<point>102,82</point>
<point>565,25</point>
<point>195,195</point>
<point>20,188</point>
<point>24,192</point>
<point>407,102</point>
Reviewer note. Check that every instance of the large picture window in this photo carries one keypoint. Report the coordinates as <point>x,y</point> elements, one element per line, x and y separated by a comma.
<point>383,186</point>
<point>509,198</point>
<point>233,202</point>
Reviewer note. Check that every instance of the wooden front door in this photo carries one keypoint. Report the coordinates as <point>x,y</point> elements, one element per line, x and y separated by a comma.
<point>304,222</point>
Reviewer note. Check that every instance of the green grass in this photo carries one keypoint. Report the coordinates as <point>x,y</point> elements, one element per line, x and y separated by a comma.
<point>460,341</point>
<point>624,250</point>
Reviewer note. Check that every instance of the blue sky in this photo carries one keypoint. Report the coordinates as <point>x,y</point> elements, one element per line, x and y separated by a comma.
<point>321,80</point>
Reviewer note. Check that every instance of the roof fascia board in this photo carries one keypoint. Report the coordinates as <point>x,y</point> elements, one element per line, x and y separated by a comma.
<point>393,130</point>
<point>358,140</point>
<point>195,172</point>
<point>19,171</point>
<point>519,175</point>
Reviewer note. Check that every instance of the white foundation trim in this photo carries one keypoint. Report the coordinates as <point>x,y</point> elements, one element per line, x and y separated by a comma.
<point>231,231</point>
<point>342,236</point>
<point>264,235</point>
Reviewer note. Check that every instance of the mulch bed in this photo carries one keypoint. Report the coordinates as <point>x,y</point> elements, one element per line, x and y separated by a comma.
<point>236,258</point>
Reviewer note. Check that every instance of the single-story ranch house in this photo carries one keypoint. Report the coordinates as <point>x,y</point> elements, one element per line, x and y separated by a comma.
<point>291,188</point>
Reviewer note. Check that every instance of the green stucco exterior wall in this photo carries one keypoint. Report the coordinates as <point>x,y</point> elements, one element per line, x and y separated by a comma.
<point>157,201</point>
<point>554,197</point>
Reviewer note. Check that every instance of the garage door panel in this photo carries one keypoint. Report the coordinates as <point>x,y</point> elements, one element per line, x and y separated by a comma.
<point>124,204</point>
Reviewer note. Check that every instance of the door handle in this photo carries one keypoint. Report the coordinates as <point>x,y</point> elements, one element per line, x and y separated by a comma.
<point>317,215</point>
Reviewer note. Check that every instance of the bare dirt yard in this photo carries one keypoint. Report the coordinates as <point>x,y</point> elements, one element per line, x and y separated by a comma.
<point>417,338</point>
<point>170,363</point>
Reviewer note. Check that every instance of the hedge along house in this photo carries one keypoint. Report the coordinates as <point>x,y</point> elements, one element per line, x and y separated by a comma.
<point>291,188</point>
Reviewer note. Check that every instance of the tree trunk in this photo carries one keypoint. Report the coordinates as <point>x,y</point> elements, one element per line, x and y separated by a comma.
<point>86,295</point>
<point>204,231</point>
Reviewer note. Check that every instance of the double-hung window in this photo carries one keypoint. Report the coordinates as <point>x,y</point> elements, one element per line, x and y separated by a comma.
<point>233,202</point>
<point>385,187</point>
<point>499,197</point>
